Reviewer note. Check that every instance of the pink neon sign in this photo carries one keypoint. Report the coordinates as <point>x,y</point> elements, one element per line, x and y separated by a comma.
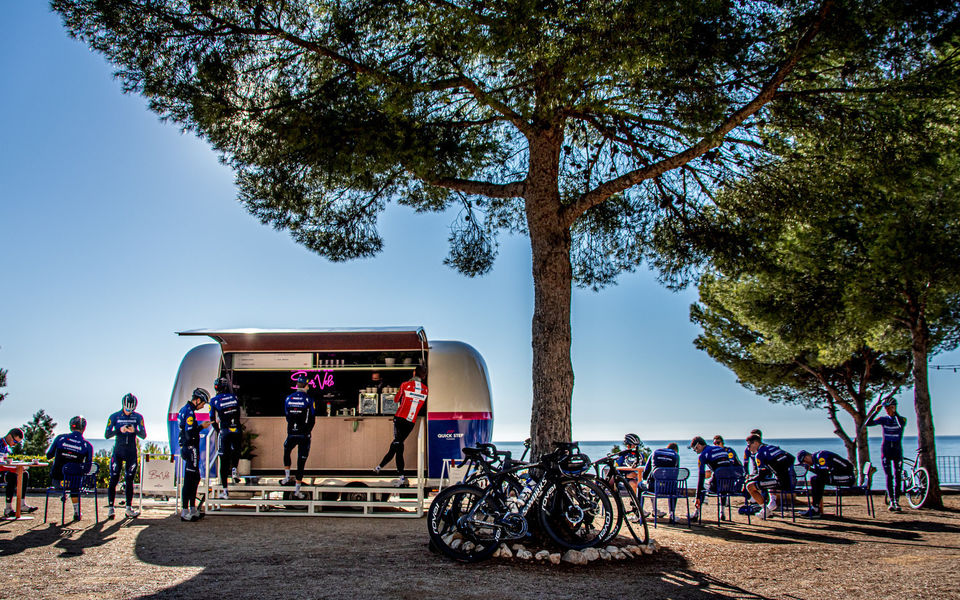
<point>320,379</point>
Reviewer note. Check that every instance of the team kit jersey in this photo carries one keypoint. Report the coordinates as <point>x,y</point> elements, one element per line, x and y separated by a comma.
<point>411,396</point>
<point>892,428</point>
<point>226,407</point>
<point>125,440</point>
<point>829,463</point>
<point>661,458</point>
<point>714,457</point>
<point>773,457</point>
<point>69,448</point>
<point>4,448</point>
<point>298,408</point>
<point>188,427</point>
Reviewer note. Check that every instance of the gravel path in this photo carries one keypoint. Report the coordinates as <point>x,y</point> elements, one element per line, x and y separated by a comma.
<point>911,555</point>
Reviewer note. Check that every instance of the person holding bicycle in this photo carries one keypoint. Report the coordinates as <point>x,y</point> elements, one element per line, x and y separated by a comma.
<point>891,449</point>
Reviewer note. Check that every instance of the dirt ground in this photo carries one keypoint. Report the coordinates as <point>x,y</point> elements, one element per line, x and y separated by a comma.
<point>910,555</point>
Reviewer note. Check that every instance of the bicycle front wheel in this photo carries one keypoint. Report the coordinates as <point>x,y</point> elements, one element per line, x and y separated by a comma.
<point>576,513</point>
<point>919,487</point>
<point>633,517</point>
<point>461,526</point>
<point>616,506</point>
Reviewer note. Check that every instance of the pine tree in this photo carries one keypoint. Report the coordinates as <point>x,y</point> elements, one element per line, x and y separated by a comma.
<point>577,124</point>
<point>37,434</point>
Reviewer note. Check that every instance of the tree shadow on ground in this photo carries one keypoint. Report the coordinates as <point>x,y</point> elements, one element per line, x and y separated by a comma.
<point>767,532</point>
<point>389,558</point>
<point>55,535</point>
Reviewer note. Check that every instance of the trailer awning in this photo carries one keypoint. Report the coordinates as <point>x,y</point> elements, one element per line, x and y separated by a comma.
<point>350,339</point>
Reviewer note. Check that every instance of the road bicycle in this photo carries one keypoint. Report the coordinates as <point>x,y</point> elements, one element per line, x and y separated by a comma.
<point>468,523</point>
<point>915,480</point>
<point>626,502</point>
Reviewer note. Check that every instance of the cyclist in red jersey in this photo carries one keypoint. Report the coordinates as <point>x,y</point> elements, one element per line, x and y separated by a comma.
<point>410,397</point>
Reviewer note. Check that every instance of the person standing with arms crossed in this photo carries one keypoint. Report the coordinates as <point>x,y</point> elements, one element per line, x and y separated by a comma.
<point>189,440</point>
<point>891,450</point>
<point>225,410</point>
<point>301,416</point>
<point>411,397</point>
<point>126,425</point>
<point>71,448</point>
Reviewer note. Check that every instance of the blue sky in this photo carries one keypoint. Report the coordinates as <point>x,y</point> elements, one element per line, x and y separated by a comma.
<point>117,230</point>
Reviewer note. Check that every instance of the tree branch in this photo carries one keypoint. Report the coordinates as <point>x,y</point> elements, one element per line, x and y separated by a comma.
<point>479,188</point>
<point>712,140</point>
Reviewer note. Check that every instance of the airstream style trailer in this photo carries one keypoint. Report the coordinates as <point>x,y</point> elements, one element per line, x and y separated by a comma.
<point>354,411</point>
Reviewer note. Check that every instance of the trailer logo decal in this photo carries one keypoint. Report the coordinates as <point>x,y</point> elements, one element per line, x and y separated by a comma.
<point>451,434</point>
<point>321,379</point>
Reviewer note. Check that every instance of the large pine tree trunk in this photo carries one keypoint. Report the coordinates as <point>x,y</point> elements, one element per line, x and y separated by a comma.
<point>921,401</point>
<point>552,284</point>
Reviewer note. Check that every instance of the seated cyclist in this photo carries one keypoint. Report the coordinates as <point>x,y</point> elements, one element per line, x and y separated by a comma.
<point>713,457</point>
<point>661,458</point>
<point>775,470</point>
<point>629,459</point>
<point>825,467</point>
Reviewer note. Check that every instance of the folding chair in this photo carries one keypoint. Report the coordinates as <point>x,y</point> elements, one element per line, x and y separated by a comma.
<point>669,483</point>
<point>800,473</point>
<point>773,486</point>
<point>727,482</point>
<point>75,480</point>
<point>850,482</point>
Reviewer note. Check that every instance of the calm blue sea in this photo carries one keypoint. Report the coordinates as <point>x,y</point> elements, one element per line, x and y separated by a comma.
<point>947,445</point>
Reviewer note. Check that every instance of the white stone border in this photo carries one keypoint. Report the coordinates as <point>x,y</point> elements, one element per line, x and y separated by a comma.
<point>577,557</point>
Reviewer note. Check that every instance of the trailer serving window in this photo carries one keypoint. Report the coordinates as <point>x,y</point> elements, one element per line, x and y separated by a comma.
<point>354,412</point>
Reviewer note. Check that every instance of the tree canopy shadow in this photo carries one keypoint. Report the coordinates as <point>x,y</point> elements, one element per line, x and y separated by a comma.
<point>352,558</point>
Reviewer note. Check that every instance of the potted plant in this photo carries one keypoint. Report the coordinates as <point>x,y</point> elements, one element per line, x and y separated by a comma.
<point>247,451</point>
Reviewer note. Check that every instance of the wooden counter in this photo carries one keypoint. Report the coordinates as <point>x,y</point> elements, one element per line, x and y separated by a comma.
<point>334,444</point>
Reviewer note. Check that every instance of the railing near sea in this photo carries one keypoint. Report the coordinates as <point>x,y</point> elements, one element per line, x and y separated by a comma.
<point>949,469</point>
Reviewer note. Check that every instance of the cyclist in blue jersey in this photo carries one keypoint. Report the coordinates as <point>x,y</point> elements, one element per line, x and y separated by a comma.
<point>126,425</point>
<point>629,458</point>
<point>891,449</point>
<point>824,466</point>
<point>713,457</point>
<point>71,448</point>
<point>225,410</point>
<point>14,437</point>
<point>189,437</point>
<point>749,464</point>
<point>774,468</point>
<point>301,416</point>
<point>660,458</point>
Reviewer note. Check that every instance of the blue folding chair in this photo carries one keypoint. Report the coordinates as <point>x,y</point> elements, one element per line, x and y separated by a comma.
<point>844,483</point>
<point>76,480</point>
<point>727,482</point>
<point>772,486</point>
<point>669,483</point>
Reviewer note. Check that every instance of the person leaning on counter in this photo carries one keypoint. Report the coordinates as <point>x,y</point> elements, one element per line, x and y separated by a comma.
<point>300,414</point>
<point>410,397</point>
